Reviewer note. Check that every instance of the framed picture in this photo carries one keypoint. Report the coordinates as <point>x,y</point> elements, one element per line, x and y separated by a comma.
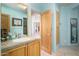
<point>74,32</point>
<point>16,22</point>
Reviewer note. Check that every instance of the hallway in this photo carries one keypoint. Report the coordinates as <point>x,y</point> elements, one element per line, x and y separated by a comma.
<point>64,51</point>
<point>70,51</point>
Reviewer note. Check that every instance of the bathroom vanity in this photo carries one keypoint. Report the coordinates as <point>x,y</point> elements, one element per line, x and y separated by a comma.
<point>21,47</point>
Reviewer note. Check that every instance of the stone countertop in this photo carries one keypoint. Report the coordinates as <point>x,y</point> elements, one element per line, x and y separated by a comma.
<point>7,45</point>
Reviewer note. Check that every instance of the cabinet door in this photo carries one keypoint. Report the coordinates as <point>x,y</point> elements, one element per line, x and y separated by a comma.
<point>19,51</point>
<point>34,48</point>
<point>37,48</point>
<point>31,49</point>
<point>5,22</point>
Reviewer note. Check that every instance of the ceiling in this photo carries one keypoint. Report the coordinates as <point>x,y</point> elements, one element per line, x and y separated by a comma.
<point>70,5</point>
<point>40,7</point>
<point>15,6</point>
<point>44,6</point>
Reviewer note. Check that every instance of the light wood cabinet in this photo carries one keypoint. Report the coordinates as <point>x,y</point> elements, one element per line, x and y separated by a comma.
<point>19,51</point>
<point>34,48</point>
<point>30,49</point>
<point>5,25</point>
<point>5,22</point>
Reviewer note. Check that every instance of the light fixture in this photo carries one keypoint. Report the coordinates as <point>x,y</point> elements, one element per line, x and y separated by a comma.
<point>22,6</point>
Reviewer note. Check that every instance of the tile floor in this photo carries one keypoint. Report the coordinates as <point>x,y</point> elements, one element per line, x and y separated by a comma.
<point>70,51</point>
<point>64,51</point>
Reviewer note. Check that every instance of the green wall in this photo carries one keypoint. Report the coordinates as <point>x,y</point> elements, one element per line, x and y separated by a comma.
<point>16,14</point>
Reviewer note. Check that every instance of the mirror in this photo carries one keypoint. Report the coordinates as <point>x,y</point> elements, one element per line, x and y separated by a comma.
<point>74,32</point>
